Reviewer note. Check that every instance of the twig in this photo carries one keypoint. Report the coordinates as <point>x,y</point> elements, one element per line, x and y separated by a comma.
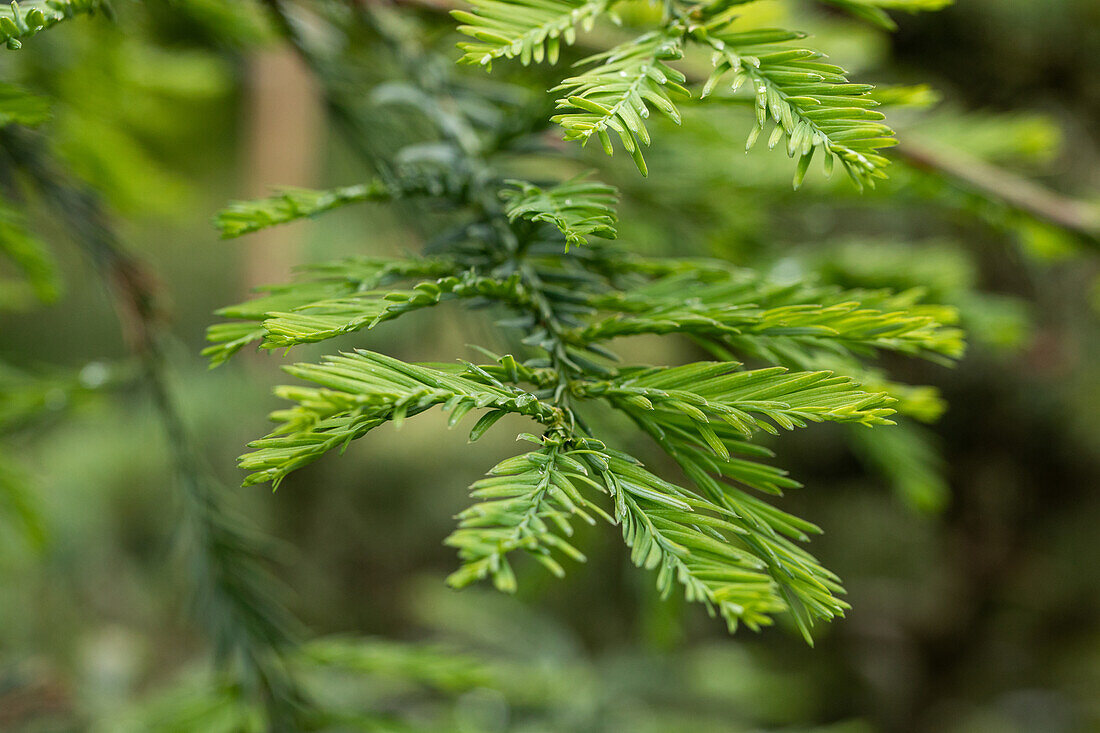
<point>245,625</point>
<point>1018,192</point>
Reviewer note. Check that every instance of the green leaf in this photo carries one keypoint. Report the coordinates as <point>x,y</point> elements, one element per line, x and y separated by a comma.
<point>528,503</point>
<point>327,318</point>
<point>577,208</point>
<point>322,285</point>
<point>532,30</point>
<point>744,572</point>
<point>20,21</point>
<point>811,102</point>
<point>359,391</point>
<point>782,323</point>
<point>618,92</point>
<point>291,204</point>
<point>747,400</point>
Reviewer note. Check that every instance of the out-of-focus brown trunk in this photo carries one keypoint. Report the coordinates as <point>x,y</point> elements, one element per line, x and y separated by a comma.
<point>283,139</point>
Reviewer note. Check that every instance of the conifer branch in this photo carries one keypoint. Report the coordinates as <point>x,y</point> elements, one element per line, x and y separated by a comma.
<point>291,204</point>
<point>529,29</point>
<point>321,283</point>
<point>727,548</point>
<point>718,390</point>
<point>1031,198</point>
<point>615,95</point>
<point>709,550</point>
<point>22,20</point>
<point>325,319</point>
<point>802,587</point>
<point>527,503</point>
<point>360,391</point>
<point>778,322</point>
<point>812,103</point>
<point>577,208</point>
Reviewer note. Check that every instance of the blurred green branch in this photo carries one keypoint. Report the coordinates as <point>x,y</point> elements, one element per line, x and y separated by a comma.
<point>233,591</point>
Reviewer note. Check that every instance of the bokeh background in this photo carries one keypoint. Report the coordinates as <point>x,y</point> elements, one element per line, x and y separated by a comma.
<point>974,581</point>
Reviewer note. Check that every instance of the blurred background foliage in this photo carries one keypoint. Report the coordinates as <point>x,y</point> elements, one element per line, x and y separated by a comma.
<point>967,544</point>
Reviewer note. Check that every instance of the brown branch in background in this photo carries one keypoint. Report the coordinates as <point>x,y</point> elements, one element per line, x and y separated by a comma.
<point>1018,192</point>
<point>964,171</point>
<point>134,290</point>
